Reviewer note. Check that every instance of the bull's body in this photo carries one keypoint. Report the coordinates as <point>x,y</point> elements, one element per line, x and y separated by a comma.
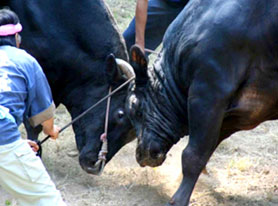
<point>217,74</point>
<point>71,40</point>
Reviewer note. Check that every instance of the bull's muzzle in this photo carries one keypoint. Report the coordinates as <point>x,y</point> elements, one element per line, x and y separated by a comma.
<point>147,157</point>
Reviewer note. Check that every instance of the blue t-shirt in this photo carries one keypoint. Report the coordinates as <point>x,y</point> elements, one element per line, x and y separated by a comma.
<point>24,91</point>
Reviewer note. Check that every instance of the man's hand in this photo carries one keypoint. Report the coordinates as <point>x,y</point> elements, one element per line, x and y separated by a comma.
<point>50,129</point>
<point>33,145</point>
<point>55,132</point>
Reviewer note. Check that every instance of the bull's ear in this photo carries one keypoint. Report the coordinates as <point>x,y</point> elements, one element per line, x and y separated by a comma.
<point>112,73</point>
<point>139,62</point>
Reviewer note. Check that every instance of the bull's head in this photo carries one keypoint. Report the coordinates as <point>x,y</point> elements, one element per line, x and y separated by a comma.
<point>142,109</point>
<point>119,128</point>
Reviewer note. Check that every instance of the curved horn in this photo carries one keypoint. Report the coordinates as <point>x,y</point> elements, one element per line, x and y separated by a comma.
<point>126,68</point>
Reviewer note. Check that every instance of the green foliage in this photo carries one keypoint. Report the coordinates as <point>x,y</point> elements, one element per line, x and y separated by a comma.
<point>123,11</point>
<point>8,202</point>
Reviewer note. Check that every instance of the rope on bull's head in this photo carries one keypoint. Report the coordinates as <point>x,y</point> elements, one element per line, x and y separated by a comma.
<point>103,137</point>
<point>84,113</point>
<point>129,73</point>
<point>151,51</point>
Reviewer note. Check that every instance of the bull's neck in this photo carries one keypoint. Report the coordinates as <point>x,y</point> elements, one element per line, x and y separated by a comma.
<point>167,112</point>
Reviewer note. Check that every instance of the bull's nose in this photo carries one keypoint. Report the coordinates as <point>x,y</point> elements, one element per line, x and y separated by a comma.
<point>155,150</point>
<point>152,156</point>
<point>94,167</point>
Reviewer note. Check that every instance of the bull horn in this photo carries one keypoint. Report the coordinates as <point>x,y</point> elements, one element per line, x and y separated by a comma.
<point>126,68</point>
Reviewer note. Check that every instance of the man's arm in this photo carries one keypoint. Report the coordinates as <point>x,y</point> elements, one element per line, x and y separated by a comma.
<point>50,129</point>
<point>141,20</point>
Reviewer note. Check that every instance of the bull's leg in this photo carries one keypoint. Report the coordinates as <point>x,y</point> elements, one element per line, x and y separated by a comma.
<point>32,133</point>
<point>205,119</point>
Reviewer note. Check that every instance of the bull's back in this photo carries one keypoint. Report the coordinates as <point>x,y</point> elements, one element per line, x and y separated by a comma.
<point>219,26</point>
<point>70,39</point>
<point>71,28</point>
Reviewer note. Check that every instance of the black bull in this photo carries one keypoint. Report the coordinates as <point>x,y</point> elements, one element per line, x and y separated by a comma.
<point>217,74</point>
<point>71,40</point>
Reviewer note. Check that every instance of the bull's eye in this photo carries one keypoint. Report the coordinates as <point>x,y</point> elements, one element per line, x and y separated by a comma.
<point>121,114</point>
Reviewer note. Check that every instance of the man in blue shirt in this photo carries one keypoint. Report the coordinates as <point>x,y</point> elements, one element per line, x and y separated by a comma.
<point>151,20</point>
<point>24,92</point>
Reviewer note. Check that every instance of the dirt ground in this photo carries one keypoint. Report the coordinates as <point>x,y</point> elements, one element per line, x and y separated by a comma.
<point>242,172</point>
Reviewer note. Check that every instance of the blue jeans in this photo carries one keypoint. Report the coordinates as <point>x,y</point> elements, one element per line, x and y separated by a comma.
<point>160,15</point>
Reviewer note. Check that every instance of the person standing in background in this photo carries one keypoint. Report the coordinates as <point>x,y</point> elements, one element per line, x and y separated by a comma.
<point>152,18</point>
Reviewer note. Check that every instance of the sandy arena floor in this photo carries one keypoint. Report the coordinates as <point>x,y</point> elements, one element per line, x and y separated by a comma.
<point>242,172</point>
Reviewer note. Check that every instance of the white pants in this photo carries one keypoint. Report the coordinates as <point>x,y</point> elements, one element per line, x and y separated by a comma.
<point>24,176</point>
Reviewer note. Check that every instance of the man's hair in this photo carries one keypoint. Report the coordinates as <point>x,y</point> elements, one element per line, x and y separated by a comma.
<point>8,17</point>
